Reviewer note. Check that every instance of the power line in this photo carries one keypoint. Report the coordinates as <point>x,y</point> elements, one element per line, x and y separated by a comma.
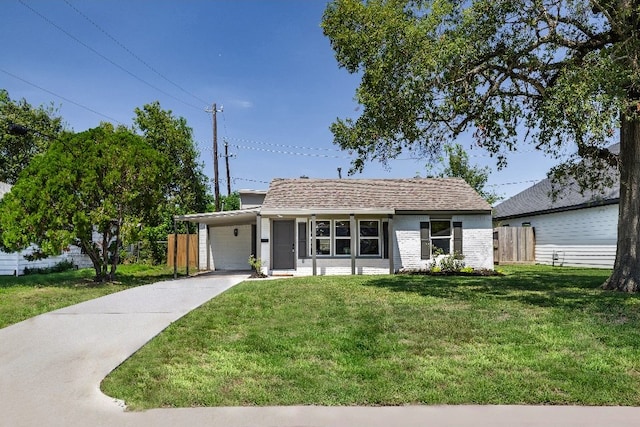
<point>529,181</point>
<point>106,58</point>
<point>291,153</point>
<point>61,97</point>
<point>125,48</point>
<point>298,147</point>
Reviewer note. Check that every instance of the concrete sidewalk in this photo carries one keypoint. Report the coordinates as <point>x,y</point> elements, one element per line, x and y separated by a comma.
<point>51,367</point>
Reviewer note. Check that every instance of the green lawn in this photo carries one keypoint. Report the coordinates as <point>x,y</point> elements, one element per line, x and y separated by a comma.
<point>539,335</point>
<point>27,296</point>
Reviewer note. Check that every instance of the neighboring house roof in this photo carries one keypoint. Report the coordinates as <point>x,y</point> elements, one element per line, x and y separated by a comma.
<point>372,195</point>
<point>537,199</point>
<point>4,189</point>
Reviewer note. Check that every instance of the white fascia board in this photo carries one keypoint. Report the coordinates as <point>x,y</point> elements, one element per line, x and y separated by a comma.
<point>327,211</point>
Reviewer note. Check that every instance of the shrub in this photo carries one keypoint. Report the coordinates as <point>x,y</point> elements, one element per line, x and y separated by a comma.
<point>451,263</point>
<point>256,266</point>
<point>64,265</point>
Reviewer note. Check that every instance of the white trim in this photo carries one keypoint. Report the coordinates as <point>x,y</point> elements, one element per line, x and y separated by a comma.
<point>378,237</point>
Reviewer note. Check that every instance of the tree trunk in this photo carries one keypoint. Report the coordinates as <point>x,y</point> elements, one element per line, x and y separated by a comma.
<point>626,270</point>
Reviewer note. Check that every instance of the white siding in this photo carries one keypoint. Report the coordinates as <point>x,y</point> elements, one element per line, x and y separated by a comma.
<point>579,238</point>
<point>230,252</point>
<point>203,252</point>
<point>10,263</point>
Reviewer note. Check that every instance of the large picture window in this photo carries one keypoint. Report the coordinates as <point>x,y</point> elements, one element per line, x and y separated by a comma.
<point>334,237</point>
<point>369,234</point>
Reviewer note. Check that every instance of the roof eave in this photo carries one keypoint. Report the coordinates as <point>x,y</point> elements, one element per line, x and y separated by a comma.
<point>586,205</point>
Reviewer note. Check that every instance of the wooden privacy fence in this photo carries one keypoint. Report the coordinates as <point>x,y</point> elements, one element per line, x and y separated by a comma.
<point>514,245</point>
<point>182,250</point>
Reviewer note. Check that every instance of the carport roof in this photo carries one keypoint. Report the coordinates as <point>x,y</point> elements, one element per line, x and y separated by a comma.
<point>243,216</point>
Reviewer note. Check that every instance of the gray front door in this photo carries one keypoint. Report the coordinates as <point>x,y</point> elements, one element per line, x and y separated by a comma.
<point>284,245</point>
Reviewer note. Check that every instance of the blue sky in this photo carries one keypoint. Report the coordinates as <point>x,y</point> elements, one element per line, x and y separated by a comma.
<point>266,63</point>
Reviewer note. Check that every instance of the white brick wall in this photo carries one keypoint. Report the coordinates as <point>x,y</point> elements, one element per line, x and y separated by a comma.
<point>407,244</point>
<point>477,240</point>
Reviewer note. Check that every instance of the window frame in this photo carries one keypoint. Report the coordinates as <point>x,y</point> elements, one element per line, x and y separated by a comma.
<point>333,238</point>
<point>336,237</point>
<point>319,238</point>
<point>378,237</point>
<point>449,237</point>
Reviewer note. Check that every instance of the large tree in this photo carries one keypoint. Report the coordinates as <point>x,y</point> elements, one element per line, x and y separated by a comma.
<point>24,132</point>
<point>560,72</point>
<point>186,190</point>
<point>84,190</point>
<point>457,165</point>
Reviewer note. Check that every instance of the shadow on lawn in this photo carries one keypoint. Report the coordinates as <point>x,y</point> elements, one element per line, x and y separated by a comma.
<point>85,278</point>
<point>565,288</point>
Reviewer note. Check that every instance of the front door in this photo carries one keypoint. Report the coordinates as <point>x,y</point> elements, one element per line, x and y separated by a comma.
<point>284,250</point>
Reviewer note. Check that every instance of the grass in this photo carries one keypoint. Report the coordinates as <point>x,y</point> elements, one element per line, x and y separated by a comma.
<point>27,296</point>
<point>539,335</point>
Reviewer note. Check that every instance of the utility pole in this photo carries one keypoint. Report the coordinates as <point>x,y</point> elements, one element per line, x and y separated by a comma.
<point>216,180</point>
<point>226,158</point>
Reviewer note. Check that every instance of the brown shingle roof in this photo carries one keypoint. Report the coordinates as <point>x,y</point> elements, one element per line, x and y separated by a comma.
<point>417,194</point>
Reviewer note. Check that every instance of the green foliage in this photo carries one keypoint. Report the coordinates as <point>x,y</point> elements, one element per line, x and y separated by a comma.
<point>64,265</point>
<point>432,70</point>
<point>231,202</point>
<point>565,72</point>
<point>452,263</point>
<point>256,266</point>
<point>97,181</point>
<point>456,165</point>
<point>25,131</point>
<point>185,188</point>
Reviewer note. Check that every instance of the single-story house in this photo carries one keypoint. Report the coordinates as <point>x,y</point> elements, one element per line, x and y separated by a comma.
<point>577,229</point>
<point>14,264</point>
<point>348,226</point>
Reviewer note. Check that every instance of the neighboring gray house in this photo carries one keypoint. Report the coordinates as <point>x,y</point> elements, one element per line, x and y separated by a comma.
<point>12,264</point>
<point>348,226</point>
<point>574,230</point>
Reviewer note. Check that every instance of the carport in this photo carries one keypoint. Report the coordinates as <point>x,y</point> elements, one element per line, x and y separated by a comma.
<point>225,239</point>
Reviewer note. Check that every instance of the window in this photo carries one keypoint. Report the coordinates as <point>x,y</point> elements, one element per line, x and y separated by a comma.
<point>369,233</point>
<point>343,237</point>
<point>323,237</point>
<point>438,236</point>
<point>441,237</point>
<point>334,237</point>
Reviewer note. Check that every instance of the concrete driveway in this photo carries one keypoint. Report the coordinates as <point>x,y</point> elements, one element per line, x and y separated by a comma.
<point>51,367</point>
